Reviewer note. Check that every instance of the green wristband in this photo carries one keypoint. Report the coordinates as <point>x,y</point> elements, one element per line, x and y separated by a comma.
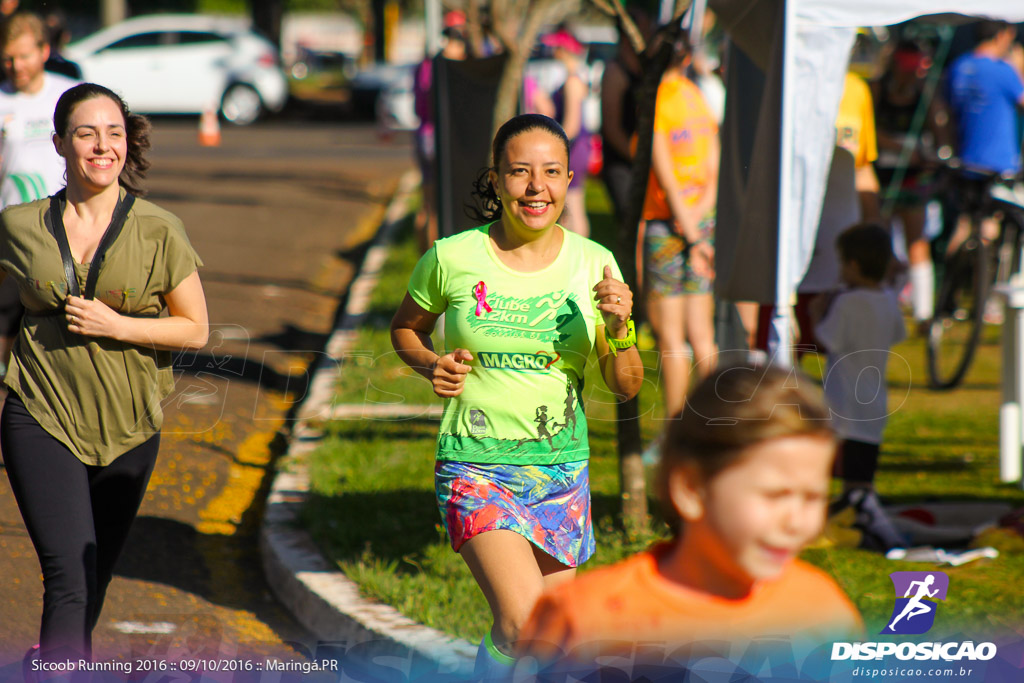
<point>614,344</point>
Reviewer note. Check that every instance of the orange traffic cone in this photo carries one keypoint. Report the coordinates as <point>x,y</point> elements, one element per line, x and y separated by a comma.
<point>209,128</point>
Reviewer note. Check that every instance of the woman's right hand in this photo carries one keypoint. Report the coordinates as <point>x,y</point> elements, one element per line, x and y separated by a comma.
<point>702,258</point>
<point>449,373</point>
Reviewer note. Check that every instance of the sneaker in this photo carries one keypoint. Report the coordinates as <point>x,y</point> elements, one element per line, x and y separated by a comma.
<point>879,533</point>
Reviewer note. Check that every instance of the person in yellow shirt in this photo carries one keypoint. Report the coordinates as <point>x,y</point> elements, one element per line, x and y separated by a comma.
<point>851,196</point>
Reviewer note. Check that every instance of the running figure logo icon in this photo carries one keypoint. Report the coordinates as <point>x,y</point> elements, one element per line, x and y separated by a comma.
<point>914,613</point>
<point>477,422</point>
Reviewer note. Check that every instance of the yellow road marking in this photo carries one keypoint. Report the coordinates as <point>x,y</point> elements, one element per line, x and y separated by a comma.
<point>220,522</point>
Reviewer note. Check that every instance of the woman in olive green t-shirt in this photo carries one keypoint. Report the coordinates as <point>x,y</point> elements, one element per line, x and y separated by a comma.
<point>91,363</point>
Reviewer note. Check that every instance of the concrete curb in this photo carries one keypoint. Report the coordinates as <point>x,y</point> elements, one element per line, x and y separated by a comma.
<point>320,596</point>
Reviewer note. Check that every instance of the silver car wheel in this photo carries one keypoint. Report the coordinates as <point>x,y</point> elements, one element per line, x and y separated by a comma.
<point>241,105</point>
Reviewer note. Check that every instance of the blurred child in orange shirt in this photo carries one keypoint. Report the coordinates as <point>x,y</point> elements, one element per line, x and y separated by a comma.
<point>744,480</point>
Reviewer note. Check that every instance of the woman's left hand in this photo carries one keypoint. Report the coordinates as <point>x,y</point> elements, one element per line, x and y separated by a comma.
<point>91,317</point>
<point>615,301</point>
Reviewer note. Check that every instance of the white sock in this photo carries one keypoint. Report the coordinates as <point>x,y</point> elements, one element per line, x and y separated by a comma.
<point>922,285</point>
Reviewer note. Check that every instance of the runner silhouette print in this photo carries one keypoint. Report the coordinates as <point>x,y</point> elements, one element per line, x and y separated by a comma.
<point>914,612</point>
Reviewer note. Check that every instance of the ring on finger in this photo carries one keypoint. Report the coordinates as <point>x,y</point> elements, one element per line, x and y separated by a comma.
<point>618,299</point>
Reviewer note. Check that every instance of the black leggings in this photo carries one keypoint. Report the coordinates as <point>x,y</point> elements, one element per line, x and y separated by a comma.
<point>78,517</point>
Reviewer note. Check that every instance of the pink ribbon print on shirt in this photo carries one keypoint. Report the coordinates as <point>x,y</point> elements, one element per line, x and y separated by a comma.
<point>480,292</point>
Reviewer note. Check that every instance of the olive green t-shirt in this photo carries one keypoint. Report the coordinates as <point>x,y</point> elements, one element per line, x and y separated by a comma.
<point>97,396</point>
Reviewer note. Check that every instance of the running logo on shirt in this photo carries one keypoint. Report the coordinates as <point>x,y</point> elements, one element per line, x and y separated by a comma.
<point>30,186</point>
<point>477,422</point>
<point>542,318</point>
<point>914,612</point>
<point>38,129</point>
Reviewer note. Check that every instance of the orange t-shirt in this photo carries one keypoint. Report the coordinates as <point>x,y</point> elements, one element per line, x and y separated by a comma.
<point>609,610</point>
<point>682,115</point>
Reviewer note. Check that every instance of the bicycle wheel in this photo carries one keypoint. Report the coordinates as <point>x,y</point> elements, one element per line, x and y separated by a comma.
<point>959,314</point>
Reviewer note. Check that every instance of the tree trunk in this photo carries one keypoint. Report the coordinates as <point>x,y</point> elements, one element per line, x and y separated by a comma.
<point>632,484</point>
<point>519,35</point>
<point>266,17</point>
<point>114,11</point>
<point>507,103</point>
<point>379,32</point>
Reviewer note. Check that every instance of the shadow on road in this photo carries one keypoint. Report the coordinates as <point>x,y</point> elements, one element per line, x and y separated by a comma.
<point>180,555</point>
<point>165,551</point>
<point>333,187</point>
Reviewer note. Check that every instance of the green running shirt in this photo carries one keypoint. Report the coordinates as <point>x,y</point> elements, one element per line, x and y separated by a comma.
<point>521,403</point>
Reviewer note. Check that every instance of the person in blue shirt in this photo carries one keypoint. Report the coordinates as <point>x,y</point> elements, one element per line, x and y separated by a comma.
<point>985,90</point>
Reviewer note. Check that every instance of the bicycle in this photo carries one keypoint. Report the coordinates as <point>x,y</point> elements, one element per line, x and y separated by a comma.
<point>988,254</point>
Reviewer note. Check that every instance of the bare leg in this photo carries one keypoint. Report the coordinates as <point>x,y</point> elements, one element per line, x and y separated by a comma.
<point>748,311</point>
<point>700,332</point>
<point>512,573</point>
<point>575,215</point>
<point>552,571</point>
<point>667,315</point>
<point>960,234</point>
<point>913,234</point>
<point>921,271</point>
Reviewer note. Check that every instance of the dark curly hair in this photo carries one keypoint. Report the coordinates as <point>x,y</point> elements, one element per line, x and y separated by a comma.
<point>137,129</point>
<point>488,206</point>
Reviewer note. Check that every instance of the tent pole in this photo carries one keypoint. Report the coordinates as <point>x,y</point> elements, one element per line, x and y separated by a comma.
<point>432,20</point>
<point>780,346</point>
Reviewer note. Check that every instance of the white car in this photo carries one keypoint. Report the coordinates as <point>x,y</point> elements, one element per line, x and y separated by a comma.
<point>396,106</point>
<point>185,64</point>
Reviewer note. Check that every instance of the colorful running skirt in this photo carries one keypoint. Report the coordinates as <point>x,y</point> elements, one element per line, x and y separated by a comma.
<point>667,270</point>
<point>549,505</point>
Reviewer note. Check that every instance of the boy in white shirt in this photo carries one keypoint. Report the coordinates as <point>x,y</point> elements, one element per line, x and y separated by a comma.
<point>857,326</point>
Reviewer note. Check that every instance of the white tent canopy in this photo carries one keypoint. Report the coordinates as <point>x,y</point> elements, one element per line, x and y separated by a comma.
<point>839,13</point>
<point>770,197</point>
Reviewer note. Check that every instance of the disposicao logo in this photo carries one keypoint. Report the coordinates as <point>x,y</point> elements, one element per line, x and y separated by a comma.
<point>917,594</point>
<point>914,612</point>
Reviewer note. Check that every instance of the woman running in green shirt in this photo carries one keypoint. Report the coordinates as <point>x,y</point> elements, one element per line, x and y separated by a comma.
<point>525,303</point>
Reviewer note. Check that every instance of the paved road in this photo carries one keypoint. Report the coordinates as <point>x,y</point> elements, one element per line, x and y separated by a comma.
<point>273,212</point>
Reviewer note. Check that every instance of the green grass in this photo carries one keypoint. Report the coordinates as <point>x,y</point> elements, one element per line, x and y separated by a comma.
<point>373,511</point>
